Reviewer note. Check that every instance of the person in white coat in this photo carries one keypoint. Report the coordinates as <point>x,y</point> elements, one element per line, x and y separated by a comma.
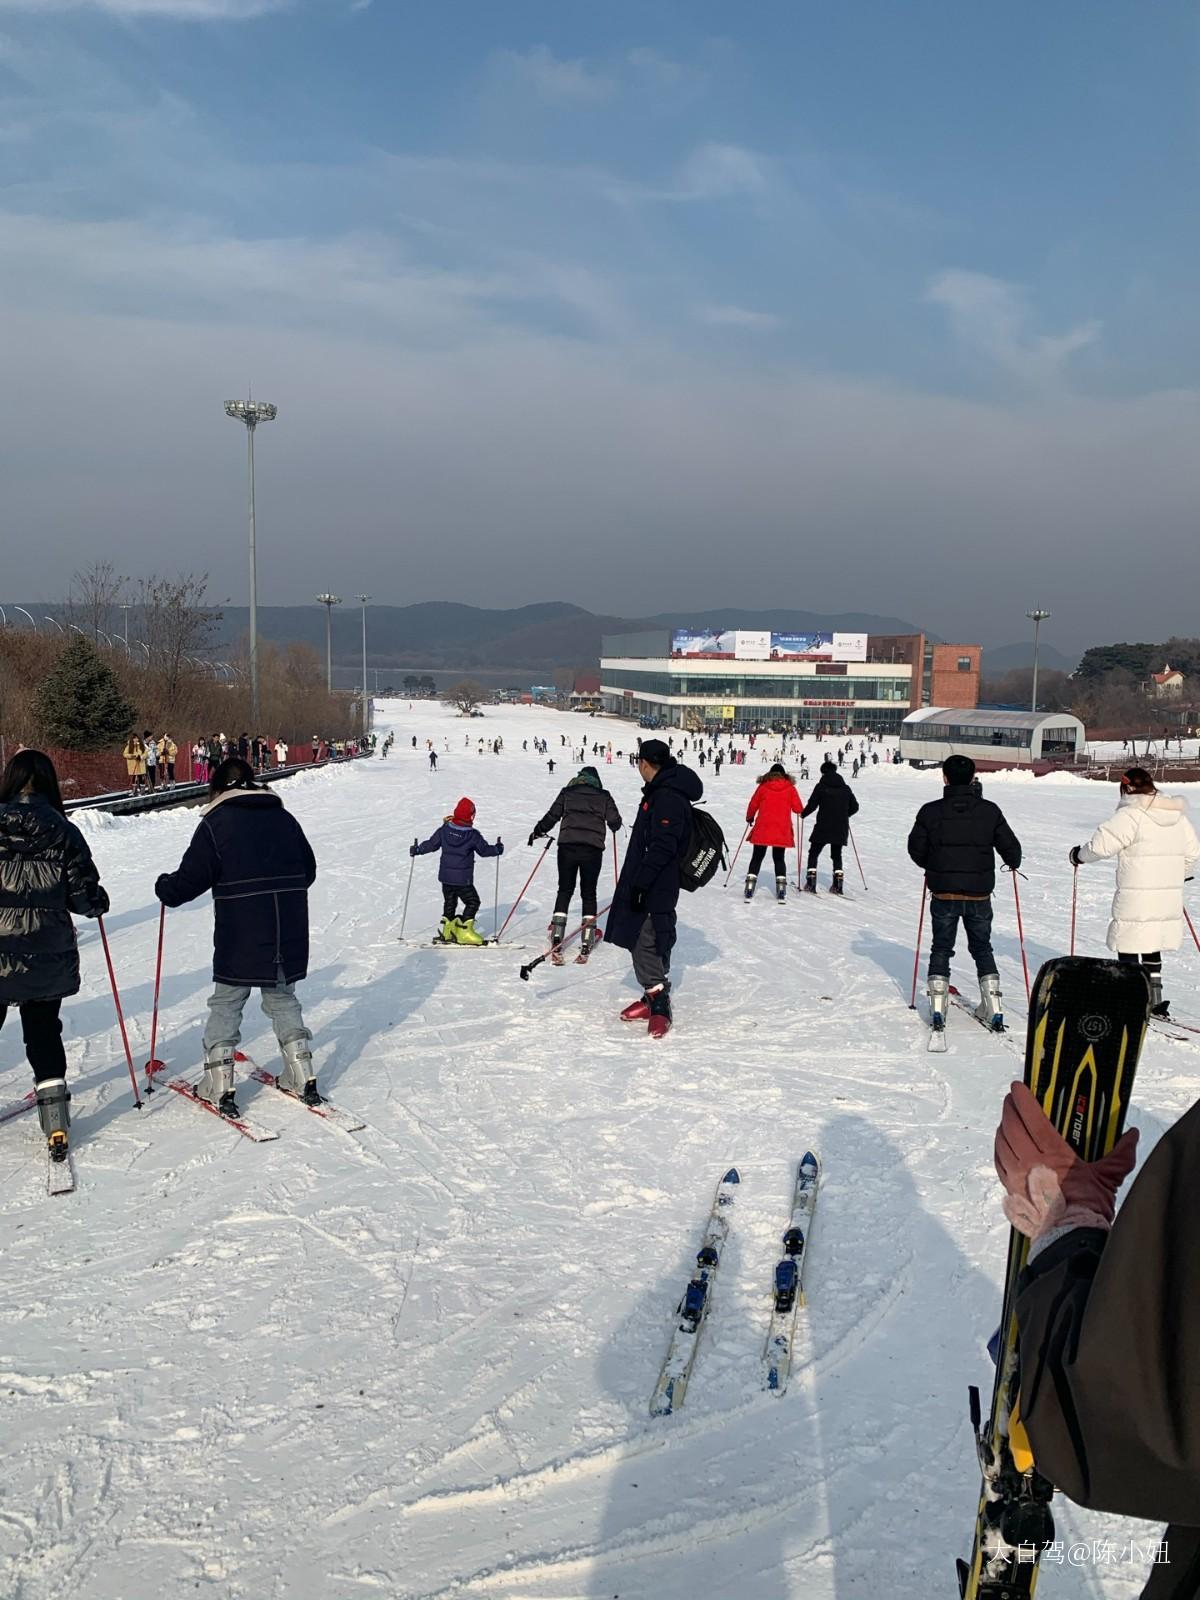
<point>1156,846</point>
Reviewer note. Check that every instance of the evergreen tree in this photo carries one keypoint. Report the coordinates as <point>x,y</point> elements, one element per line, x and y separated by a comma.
<point>80,705</point>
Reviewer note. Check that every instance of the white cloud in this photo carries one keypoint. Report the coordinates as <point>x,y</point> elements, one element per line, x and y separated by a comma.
<point>718,171</point>
<point>555,79</point>
<point>993,317</point>
<point>738,317</point>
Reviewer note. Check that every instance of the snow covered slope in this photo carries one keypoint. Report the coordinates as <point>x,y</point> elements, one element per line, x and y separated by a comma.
<point>417,1361</point>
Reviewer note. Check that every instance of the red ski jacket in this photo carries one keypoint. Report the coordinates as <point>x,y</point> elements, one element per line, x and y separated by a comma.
<point>772,806</point>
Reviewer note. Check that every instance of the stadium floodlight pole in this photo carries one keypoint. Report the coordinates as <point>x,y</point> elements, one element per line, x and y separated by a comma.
<point>364,598</point>
<point>329,601</point>
<point>1037,617</point>
<point>252,412</point>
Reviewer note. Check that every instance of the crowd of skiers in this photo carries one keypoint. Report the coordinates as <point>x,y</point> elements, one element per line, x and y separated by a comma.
<point>150,762</point>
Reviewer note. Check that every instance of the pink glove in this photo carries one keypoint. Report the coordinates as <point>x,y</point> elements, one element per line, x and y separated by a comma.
<point>1048,1185</point>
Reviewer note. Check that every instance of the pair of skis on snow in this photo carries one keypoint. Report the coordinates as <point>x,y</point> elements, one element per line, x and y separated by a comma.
<point>787,1291</point>
<point>937,1025</point>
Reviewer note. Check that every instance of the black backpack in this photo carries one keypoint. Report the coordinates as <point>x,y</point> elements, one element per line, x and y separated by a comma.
<point>705,851</point>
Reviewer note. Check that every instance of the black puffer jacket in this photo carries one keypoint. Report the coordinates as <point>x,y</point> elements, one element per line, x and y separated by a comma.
<point>585,809</point>
<point>660,835</point>
<point>46,873</point>
<point>254,857</point>
<point>833,801</point>
<point>956,840</point>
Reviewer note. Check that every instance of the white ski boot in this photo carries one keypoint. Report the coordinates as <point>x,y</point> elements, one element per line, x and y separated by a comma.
<point>53,1099</point>
<point>589,937</point>
<point>751,884</point>
<point>990,1009</point>
<point>939,1001</point>
<point>216,1081</point>
<point>780,888</point>
<point>556,930</point>
<point>298,1077</point>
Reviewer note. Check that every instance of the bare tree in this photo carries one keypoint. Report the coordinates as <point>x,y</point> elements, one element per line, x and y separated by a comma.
<point>466,695</point>
<point>176,623</point>
<point>94,598</point>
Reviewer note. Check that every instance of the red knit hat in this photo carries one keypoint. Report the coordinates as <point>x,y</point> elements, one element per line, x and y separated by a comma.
<point>464,812</point>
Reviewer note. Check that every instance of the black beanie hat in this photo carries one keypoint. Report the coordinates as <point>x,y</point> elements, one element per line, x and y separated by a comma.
<point>655,752</point>
<point>828,767</point>
<point>958,769</point>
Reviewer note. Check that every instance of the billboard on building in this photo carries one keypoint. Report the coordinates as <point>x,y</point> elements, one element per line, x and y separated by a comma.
<point>849,647</point>
<point>740,644</point>
<point>785,646</point>
<point>750,646</point>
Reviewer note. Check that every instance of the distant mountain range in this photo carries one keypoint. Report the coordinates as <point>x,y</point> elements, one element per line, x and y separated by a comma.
<point>1007,657</point>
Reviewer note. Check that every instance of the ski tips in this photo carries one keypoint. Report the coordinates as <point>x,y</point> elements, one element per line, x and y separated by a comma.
<point>732,1176</point>
<point>808,1159</point>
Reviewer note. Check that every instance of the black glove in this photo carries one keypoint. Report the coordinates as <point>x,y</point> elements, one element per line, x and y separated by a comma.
<point>499,847</point>
<point>637,899</point>
<point>100,904</point>
<point>412,849</point>
<point>533,838</point>
<point>1074,856</point>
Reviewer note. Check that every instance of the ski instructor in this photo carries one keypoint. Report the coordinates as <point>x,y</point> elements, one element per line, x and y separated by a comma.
<point>643,912</point>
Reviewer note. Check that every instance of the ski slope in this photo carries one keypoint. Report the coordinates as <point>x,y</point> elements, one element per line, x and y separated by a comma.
<point>417,1362</point>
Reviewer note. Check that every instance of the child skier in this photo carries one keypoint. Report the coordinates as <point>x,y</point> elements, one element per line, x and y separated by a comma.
<point>459,843</point>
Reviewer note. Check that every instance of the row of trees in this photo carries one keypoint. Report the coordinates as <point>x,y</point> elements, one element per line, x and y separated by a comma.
<point>1107,690</point>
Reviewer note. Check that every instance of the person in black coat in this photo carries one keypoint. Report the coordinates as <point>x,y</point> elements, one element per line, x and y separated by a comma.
<point>956,840</point>
<point>643,911</point>
<point>254,857</point>
<point>1109,1326</point>
<point>833,801</point>
<point>582,811</point>
<point>46,874</point>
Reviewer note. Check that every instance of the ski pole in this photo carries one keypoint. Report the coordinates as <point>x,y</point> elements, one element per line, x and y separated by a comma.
<point>154,1064</point>
<point>1021,934</point>
<point>412,861</point>
<point>857,858</point>
<point>1074,900</point>
<point>1191,927</point>
<point>112,978</point>
<point>800,851</point>
<point>616,870</point>
<point>528,881</point>
<point>736,854</point>
<point>496,902</point>
<point>912,1005</point>
<point>562,945</point>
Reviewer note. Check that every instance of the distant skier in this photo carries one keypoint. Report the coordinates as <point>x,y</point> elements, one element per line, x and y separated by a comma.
<point>46,874</point>
<point>772,808</point>
<point>643,913</point>
<point>955,840</point>
<point>459,843</point>
<point>834,802</point>
<point>254,857</point>
<point>582,811</point>
<point>433,761</point>
<point>1156,847</point>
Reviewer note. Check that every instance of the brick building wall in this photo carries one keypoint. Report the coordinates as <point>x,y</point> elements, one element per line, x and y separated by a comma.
<point>952,685</point>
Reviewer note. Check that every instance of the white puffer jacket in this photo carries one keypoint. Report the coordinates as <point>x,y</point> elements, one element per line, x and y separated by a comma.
<point>1155,845</point>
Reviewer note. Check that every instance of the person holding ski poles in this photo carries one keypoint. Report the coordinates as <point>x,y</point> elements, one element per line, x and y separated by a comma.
<point>459,843</point>
<point>1156,847</point>
<point>581,811</point>
<point>772,807</point>
<point>833,800</point>
<point>46,874</point>
<point>1109,1325</point>
<point>254,857</point>
<point>643,911</point>
<point>955,840</point>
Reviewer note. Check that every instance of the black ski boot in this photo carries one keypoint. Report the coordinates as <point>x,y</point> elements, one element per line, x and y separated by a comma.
<point>810,881</point>
<point>837,886</point>
<point>780,888</point>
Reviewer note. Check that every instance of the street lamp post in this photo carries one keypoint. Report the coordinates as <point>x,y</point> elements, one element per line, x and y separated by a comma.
<point>1037,617</point>
<point>364,598</point>
<point>125,609</point>
<point>252,412</point>
<point>329,601</point>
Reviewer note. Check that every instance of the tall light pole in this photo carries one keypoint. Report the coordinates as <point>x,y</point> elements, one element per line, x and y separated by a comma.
<point>1037,617</point>
<point>364,598</point>
<point>252,412</point>
<point>329,601</point>
<point>125,609</point>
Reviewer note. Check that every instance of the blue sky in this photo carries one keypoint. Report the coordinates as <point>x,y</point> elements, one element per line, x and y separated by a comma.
<point>843,305</point>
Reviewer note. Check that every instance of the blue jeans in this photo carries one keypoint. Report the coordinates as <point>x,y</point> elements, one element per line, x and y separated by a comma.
<point>976,920</point>
<point>228,1001</point>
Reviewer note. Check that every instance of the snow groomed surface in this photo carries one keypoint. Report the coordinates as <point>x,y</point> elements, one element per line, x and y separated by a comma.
<point>417,1362</point>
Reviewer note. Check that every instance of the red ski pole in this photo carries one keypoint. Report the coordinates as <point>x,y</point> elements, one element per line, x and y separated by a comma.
<point>154,1064</point>
<point>521,896</point>
<point>1021,935</point>
<point>857,858</point>
<point>1191,927</point>
<point>112,978</point>
<point>912,1005</point>
<point>736,854</point>
<point>1074,901</point>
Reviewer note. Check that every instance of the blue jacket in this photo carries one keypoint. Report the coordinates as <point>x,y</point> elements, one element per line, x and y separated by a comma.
<point>254,857</point>
<point>459,847</point>
<point>659,836</point>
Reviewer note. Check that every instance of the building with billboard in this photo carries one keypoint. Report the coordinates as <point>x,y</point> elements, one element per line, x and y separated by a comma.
<point>819,682</point>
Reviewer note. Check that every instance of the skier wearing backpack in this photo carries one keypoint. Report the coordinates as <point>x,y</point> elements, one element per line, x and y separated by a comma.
<point>772,806</point>
<point>643,911</point>
<point>582,810</point>
<point>833,800</point>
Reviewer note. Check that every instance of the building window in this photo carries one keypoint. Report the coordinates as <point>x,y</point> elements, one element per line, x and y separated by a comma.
<point>965,664</point>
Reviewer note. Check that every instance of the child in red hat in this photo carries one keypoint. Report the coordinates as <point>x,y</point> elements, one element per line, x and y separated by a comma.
<point>459,842</point>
